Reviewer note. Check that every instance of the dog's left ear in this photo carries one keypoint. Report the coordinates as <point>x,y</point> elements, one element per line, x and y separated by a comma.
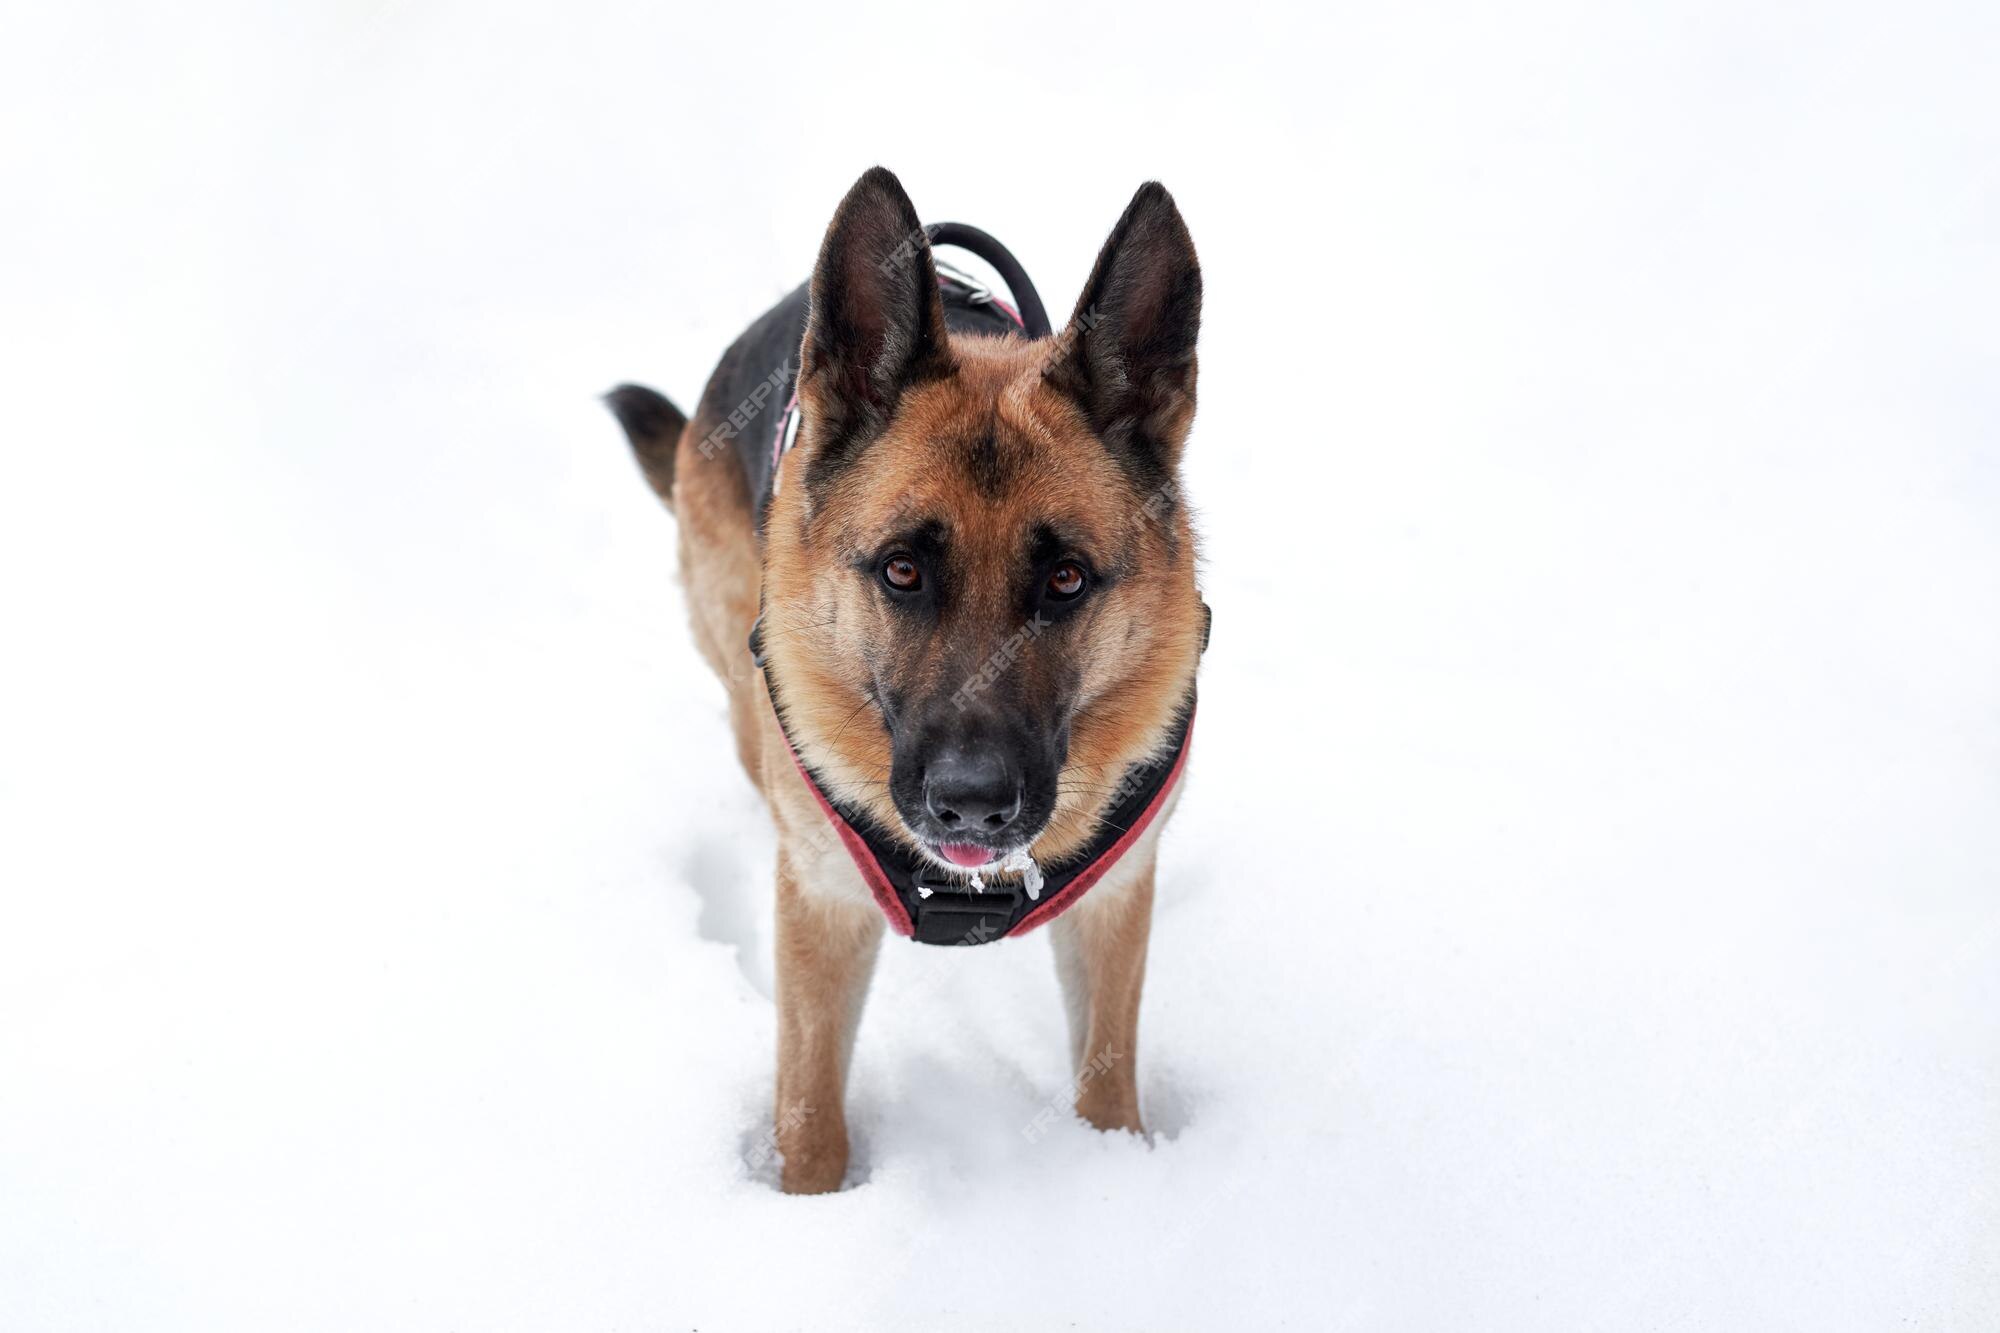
<point>1129,359</point>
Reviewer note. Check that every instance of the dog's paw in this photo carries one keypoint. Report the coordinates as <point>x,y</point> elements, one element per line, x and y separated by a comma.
<point>1105,1105</point>
<point>817,1171</point>
<point>813,1155</point>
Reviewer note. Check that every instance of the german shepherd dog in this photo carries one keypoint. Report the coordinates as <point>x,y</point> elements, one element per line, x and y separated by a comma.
<point>960,505</point>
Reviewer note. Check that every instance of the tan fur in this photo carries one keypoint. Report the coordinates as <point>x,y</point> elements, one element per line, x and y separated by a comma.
<point>1149,635</point>
<point>1100,947</point>
<point>998,449</point>
<point>826,952</point>
<point>827,933</point>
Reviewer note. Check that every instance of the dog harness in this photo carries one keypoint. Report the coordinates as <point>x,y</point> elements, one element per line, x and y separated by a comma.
<point>925,903</point>
<point>921,900</point>
<point>970,305</point>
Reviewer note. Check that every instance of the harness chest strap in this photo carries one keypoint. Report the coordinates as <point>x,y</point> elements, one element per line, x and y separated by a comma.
<point>923,903</point>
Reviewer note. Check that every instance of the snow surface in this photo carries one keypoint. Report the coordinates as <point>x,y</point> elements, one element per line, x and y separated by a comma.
<point>1583,909</point>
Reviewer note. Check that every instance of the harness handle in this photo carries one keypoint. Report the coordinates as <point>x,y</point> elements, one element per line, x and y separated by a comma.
<point>1034,318</point>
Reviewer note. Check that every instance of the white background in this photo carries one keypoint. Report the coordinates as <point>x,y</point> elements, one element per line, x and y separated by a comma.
<point>1583,908</point>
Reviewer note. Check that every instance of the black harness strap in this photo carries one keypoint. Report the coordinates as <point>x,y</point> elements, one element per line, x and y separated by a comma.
<point>1034,318</point>
<point>969,307</point>
<point>932,906</point>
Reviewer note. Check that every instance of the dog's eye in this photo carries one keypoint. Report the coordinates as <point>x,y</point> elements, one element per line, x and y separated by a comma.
<point>1067,582</point>
<point>901,573</point>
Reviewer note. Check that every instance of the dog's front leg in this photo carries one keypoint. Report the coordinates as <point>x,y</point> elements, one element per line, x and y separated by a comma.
<point>826,950</point>
<point>1100,947</point>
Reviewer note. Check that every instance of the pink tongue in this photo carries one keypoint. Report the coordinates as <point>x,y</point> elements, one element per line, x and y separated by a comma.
<point>964,854</point>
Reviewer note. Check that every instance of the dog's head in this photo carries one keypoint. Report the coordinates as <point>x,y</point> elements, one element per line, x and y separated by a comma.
<point>980,605</point>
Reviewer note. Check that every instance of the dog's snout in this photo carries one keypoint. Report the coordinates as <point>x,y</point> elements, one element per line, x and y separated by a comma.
<point>979,780</point>
<point>972,791</point>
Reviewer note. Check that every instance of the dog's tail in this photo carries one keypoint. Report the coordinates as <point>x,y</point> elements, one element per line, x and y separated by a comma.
<point>654,427</point>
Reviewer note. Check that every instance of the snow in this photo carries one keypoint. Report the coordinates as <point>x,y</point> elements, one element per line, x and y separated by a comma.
<point>1581,911</point>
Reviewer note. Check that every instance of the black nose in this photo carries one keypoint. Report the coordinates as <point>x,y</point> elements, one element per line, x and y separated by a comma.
<point>973,791</point>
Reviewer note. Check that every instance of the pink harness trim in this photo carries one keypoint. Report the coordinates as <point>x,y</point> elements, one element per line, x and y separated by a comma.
<point>784,425</point>
<point>892,907</point>
<point>857,851</point>
<point>1101,867</point>
<point>1012,313</point>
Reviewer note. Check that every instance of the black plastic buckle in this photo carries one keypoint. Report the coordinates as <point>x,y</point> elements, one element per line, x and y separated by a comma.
<point>954,914</point>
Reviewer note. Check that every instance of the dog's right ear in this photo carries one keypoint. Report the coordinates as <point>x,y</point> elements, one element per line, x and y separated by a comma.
<point>876,325</point>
